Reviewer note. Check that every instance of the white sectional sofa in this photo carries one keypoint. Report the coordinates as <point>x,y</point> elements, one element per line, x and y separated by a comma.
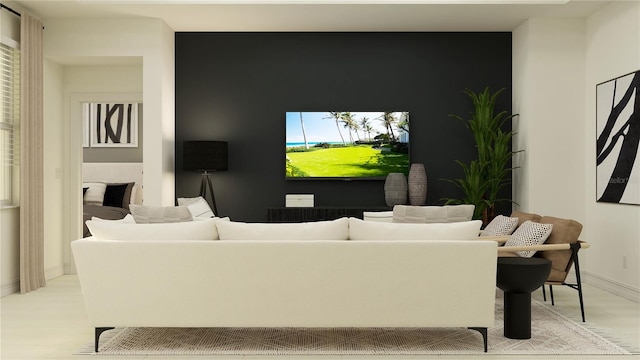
<point>341,273</point>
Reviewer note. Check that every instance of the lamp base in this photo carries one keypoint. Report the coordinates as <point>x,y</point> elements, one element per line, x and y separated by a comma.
<point>204,185</point>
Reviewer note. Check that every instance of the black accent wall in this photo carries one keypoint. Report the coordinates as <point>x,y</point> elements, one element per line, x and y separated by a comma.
<point>237,87</point>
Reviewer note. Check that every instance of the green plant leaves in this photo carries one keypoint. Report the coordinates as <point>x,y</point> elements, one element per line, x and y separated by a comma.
<point>490,172</point>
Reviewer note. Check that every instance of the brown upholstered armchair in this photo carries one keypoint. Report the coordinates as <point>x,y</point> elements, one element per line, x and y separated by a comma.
<point>561,248</point>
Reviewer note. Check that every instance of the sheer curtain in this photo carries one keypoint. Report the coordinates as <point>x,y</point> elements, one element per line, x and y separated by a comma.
<point>31,156</point>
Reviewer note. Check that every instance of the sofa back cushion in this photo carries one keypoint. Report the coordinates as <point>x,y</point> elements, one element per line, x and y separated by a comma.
<point>432,214</point>
<point>372,230</point>
<point>317,230</point>
<point>160,214</point>
<point>192,230</point>
<point>565,231</point>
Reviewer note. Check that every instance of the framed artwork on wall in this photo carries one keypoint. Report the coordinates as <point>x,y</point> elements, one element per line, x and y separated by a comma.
<point>113,124</point>
<point>618,140</point>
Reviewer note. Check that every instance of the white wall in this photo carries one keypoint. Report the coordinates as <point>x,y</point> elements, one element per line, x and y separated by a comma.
<point>81,40</point>
<point>9,250</point>
<point>612,49</point>
<point>556,64</point>
<point>54,161</point>
<point>103,83</point>
<point>548,83</point>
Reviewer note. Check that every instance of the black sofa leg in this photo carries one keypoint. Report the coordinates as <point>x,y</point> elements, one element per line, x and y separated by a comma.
<point>99,331</point>
<point>483,332</point>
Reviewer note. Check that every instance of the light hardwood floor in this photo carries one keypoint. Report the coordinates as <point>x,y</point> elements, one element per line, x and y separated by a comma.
<point>51,323</point>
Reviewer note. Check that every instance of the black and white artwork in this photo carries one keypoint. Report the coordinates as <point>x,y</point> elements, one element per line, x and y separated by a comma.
<point>113,124</point>
<point>618,140</point>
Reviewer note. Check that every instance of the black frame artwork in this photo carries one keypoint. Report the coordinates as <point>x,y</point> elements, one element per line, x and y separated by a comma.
<point>113,124</point>
<point>618,140</point>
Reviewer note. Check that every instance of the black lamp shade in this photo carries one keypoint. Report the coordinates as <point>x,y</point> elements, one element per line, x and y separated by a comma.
<point>205,155</point>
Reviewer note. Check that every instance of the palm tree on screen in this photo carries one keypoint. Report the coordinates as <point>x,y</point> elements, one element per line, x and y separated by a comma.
<point>304,134</point>
<point>336,116</point>
<point>365,125</point>
<point>349,123</point>
<point>388,120</point>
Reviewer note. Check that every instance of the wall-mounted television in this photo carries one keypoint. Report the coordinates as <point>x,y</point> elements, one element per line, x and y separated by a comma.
<point>347,145</point>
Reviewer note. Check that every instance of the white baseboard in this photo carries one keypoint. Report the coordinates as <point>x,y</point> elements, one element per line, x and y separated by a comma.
<point>13,286</point>
<point>10,287</point>
<point>53,272</point>
<point>614,287</point>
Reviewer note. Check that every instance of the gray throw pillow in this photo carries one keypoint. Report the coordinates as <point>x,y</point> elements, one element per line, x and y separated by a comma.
<point>159,214</point>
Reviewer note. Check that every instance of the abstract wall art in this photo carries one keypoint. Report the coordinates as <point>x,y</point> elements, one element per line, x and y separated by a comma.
<point>618,140</point>
<point>113,124</point>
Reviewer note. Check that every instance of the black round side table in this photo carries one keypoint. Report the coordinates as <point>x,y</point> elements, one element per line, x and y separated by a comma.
<point>518,277</point>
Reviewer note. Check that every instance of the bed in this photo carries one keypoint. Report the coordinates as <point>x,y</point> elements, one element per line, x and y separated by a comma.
<point>109,189</point>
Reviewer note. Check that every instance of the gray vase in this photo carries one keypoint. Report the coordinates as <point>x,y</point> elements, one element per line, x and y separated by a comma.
<point>395,189</point>
<point>417,185</point>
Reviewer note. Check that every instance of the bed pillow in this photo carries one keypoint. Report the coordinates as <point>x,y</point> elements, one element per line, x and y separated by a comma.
<point>127,219</point>
<point>192,230</point>
<point>159,214</point>
<point>528,234</point>
<point>373,230</point>
<point>198,206</point>
<point>500,226</point>
<point>316,230</point>
<point>118,195</point>
<point>94,194</point>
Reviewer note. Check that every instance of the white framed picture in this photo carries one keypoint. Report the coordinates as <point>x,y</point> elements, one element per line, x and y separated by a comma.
<point>618,139</point>
<point>113,124</point>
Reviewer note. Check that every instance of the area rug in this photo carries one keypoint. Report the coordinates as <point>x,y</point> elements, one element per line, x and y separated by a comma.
<point>552,334</point>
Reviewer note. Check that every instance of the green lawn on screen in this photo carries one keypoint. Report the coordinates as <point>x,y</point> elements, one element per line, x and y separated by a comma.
<point>349,161</point>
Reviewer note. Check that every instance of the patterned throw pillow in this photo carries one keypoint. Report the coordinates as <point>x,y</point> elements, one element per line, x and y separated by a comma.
<point>528,234</point>
<point>500,226</point>
<point>159,214</point>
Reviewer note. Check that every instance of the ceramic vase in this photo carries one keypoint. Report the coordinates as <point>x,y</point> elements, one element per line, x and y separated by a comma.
<point>395,189</point>
<point>417,183</point>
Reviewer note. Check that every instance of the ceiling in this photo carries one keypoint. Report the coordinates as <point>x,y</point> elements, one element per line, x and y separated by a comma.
<point>318,15</point>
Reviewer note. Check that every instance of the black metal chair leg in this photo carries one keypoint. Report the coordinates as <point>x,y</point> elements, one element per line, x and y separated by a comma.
<point>544,293</point>
<point>551,294</point>
<point>574,251</point>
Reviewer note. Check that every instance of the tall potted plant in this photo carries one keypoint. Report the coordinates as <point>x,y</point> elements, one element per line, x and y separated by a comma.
<point>490,172</point>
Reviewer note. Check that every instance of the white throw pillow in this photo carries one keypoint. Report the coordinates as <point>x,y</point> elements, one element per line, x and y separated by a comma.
<point>458,213</point>
<point>419,214</point>
<point>198,206</point>
<point>528,234</point>
<point>192,230</point>
<point>318,230</point>
<point>432,214</point>
<point>128,219</point>
<point>159,214</point>
<point>372,230</point>
<point>94,194</point>
<point>500,226</point>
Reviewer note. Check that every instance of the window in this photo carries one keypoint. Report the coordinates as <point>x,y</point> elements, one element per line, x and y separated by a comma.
<point>9,123</point>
